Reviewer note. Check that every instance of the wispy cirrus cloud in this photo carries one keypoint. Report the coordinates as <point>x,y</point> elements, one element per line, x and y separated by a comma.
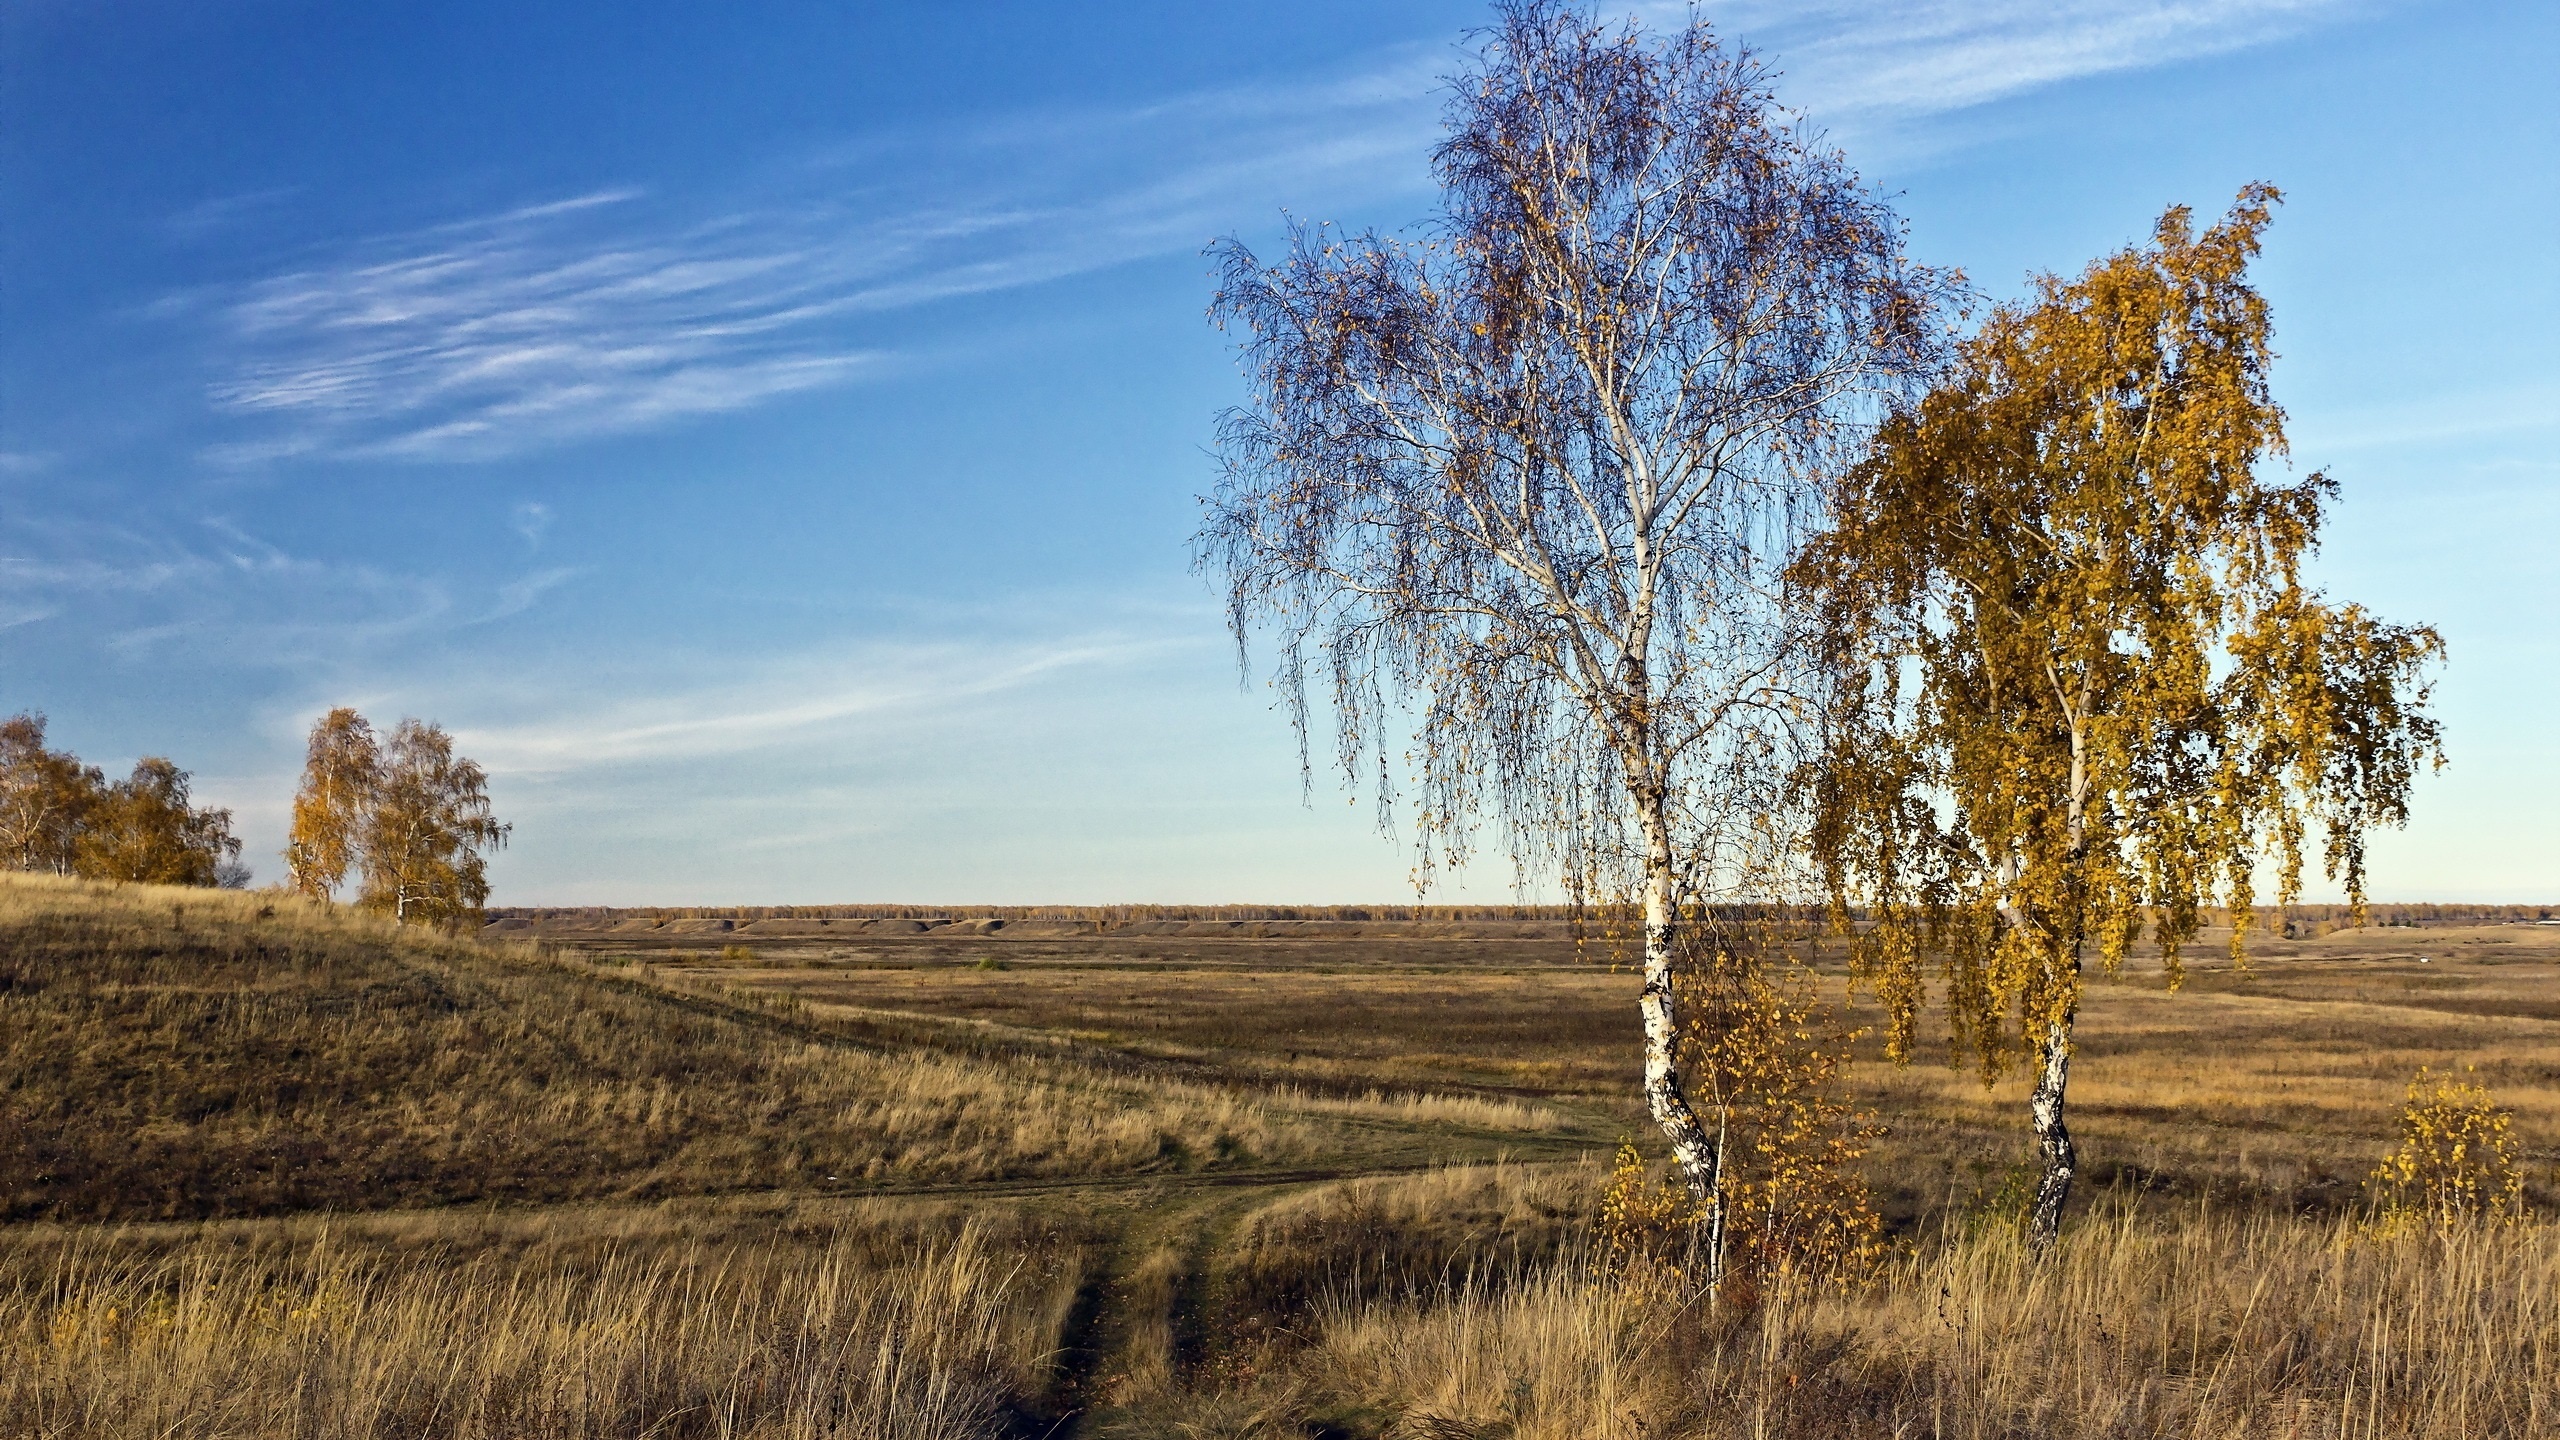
<point>532,520</point>
<point>1850,60</point>
<point>519,595</point>
<point>620,310</point>
<point>227,595</point>
<point>808,699</point>
<point>2512,411</point>
<point>533,325</point>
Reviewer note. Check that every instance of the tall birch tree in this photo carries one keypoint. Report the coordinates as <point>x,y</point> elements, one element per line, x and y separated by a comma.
<point>1530,480</point>
<point>341,770</point>
<point>427,826</point>
<point>2088,688</point>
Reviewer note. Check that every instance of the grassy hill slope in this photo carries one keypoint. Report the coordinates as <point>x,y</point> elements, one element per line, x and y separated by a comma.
<point>181,1054</point>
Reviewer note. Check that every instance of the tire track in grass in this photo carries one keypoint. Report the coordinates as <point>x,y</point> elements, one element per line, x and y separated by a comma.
<point>1146,1317</point>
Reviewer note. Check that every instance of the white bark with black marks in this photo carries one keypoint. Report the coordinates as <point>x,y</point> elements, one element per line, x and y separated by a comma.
<point>2053,1138</point>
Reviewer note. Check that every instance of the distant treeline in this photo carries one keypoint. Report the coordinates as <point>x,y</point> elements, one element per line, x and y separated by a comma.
<point>1103,914</point>
<point>2322,917</point>
<point>2424,914</point>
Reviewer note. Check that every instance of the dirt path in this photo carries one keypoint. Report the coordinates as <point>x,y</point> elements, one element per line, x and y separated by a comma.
<point>1551,1152</point>
<point>1145,1320</point>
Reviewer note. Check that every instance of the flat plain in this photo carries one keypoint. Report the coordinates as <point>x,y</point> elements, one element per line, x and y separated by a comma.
<point>2276,1083</point>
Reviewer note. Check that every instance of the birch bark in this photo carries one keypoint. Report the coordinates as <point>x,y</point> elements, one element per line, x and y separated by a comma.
<point>2053,1137</point>
<point>2045,1103</point>
<point>1699,1157</point>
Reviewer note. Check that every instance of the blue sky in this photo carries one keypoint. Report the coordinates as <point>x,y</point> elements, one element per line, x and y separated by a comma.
<point>767,434</point>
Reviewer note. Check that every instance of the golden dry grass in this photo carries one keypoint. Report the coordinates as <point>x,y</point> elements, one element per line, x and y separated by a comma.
<point>2165,1325</point>
<point>1452,1304</point>
<point>171,1053</point>
<point>2272,1086</point>
<point>777,1341</point>
<point>1359,1019</point>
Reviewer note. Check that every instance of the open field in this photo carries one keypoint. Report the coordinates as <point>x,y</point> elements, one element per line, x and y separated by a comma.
<point>2271,1086</point>
<point>271,1170</point>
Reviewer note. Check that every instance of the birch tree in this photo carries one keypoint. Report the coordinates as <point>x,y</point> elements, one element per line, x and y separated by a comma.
<point>427,824</point>
<point>46,796</point>
<point>2089,689</point>
<point>1529,481</point>
<point>146,829</point>
<point>340,772</point>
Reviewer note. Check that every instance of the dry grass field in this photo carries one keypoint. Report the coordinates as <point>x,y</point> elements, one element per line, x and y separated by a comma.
<point>2275,1086</point>
<point>269,1170</point>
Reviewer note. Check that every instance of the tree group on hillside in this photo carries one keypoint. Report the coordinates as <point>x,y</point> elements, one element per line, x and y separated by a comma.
<point>59,816</point>
<point>405,815</point>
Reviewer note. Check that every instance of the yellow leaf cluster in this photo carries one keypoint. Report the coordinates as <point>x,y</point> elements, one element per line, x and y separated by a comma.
<point>1646,1239</point>
<point>59,815</point>
<point>1764,1054</point>
<point>406,812</point>
<point>339,775</point>
<point>1764,1066</point>
<point>2456,1160</point>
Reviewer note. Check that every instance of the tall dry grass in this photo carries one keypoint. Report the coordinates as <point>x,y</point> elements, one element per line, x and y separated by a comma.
<point>208,1341</point>
<point>1287,1261</point>
<point>1447,1306</point>
<point>1405,1235</point>
<point>2220,1325</point>
<point>2194,1325</point>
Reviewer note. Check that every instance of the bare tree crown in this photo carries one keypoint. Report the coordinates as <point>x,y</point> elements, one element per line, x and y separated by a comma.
<point>1531,479</point>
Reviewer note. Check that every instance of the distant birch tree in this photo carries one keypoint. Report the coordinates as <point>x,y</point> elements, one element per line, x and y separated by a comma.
<point>46,797</point>
<point>1532,480</point>
<point>2089,687</point>
<point>427,824</point>
<point>341,770</point>
<point>146,829</point>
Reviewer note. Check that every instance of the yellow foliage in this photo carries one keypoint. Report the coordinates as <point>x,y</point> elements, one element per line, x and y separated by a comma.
<point>1766,1059</point>
<point>2088,689</point>
<point>340,773</point>
<point>2456,1161</point>
<point>1764,1069</point>
<point>1646,1238</point>
<point>59,815</point>
<point>426,823</point>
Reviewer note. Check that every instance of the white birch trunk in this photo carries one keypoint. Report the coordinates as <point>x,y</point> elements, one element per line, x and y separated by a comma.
<point>2045,1102</point>
<point>1699,1157</point>
<point>2053,1137</point>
